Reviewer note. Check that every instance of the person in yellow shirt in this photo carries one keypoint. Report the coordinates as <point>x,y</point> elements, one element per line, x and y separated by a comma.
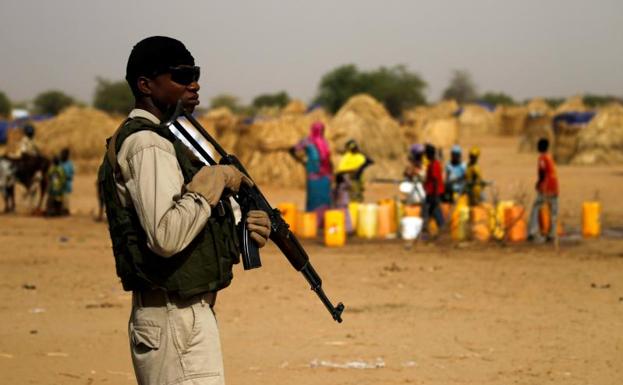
<point>473,178</point>
<point>349,175</point>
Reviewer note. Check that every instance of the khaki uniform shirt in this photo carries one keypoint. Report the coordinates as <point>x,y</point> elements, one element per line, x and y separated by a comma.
<point>153,184</point>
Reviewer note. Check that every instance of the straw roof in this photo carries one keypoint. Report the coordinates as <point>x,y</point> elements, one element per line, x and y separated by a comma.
<point>601,142</point>
<point>82,129</point>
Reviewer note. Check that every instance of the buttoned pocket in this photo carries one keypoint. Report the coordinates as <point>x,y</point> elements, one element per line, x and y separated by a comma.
<point>145,338</point>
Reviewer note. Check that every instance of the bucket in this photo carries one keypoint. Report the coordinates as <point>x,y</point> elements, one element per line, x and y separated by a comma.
<point>410,227</point>
<point>458,223</point>
<point>288,212</point>
<point>334,228</point>
<point>591,223</point>
<point>307,226</point>
<point>367,220</point>
<point>481,222</point>
<point>515,224</point>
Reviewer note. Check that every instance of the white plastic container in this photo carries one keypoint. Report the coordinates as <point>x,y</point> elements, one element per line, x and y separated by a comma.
<point>410,227</point>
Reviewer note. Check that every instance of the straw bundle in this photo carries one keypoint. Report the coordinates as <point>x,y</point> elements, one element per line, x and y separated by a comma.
<point>538,107</point>
<point>565,142</point>
<point>573,104</point>
<point>420,122</point>
<point>601,142</point>
<point>367,121</point>
<point>511,119</point>
<point>441,132</point>
<point>380,137</point>
<point>444,109</point>
<point>263,147</point>
<point>476,120</point>
<point>222,124</point>
<point>538,125</point>
<point>296,107</point>
<point>414,121</point>
<point>83,130</point>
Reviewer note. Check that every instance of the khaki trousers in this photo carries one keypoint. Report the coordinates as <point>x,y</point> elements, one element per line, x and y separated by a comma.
<point>176,344</point>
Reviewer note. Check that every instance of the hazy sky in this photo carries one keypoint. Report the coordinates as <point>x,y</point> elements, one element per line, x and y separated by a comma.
<point>246,47</point>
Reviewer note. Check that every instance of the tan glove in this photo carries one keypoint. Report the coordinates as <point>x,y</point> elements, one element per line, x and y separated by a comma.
<point>258,224</point>
<point>210,182</point>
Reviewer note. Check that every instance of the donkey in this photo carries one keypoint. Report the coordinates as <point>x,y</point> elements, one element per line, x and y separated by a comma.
<point>29,170</point>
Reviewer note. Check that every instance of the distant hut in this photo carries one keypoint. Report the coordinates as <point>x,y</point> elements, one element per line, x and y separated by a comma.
<point>510,120</point>
<point>538,124</point>
<point>601,142</point>
<point>570,119</point>
<point>475,119</point>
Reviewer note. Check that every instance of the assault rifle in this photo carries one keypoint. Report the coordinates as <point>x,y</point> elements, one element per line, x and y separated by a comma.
<point>251,198</point>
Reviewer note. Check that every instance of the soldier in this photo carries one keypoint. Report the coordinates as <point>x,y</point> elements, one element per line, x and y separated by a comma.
<point>173,230</point>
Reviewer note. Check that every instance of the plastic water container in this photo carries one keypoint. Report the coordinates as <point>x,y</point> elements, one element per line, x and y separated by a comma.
<point>367,220</point>
<point>500,219</point>
<point>307,226</point>
<point>393,214</point>
<point>515,224</point>
<point>353,211</point>
<point>334,228</point>
<point>289,214</point>
<point>462,200</point>
<point>591,223</point>
<point>410,227</point>
<point>446,209</point>
<point>458,223</point>
<point>413,211</point>
<point>480,223</point>
<point>386,227</point>
<point>384,221</point>
<point>545,221</point>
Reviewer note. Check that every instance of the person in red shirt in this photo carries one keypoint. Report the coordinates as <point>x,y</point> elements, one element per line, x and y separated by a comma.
<point>547,193</point>
<point>434,188</point>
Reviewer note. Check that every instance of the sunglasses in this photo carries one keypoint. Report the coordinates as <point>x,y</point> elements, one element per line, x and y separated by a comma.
<point>184,75</point>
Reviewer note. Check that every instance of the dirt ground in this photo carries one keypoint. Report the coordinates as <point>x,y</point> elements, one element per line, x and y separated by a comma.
<point>440,313</point>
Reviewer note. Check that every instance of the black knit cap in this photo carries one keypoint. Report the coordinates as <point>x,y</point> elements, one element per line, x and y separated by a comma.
<point>154,55</point>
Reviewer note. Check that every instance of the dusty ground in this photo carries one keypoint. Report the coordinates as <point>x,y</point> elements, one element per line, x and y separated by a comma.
<point>436,314</point>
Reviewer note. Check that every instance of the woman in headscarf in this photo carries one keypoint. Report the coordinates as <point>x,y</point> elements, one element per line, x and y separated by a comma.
<point>317,166</point>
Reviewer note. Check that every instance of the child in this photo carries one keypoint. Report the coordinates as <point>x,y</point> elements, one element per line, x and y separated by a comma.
<point>455,174</point>
<point>56,188</point>
<point>546,192</point>
<point>68,169</point>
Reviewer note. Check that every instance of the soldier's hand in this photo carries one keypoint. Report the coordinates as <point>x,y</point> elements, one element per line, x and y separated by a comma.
<point>210,182</point>
<point>258,224</point>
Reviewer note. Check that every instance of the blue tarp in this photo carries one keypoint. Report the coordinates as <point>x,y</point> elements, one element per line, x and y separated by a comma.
<point>32,118</point>
<point>574,118</point>
<point>488,106</point>
<point>4,127</point>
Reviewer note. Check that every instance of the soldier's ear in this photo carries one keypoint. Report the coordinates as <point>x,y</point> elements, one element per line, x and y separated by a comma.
<point>143,84</point>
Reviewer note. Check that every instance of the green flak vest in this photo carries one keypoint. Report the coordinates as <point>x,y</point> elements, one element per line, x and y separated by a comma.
<point>204,265</point>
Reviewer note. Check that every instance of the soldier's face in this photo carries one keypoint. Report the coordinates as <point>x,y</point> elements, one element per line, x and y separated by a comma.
<point>166,92</point>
